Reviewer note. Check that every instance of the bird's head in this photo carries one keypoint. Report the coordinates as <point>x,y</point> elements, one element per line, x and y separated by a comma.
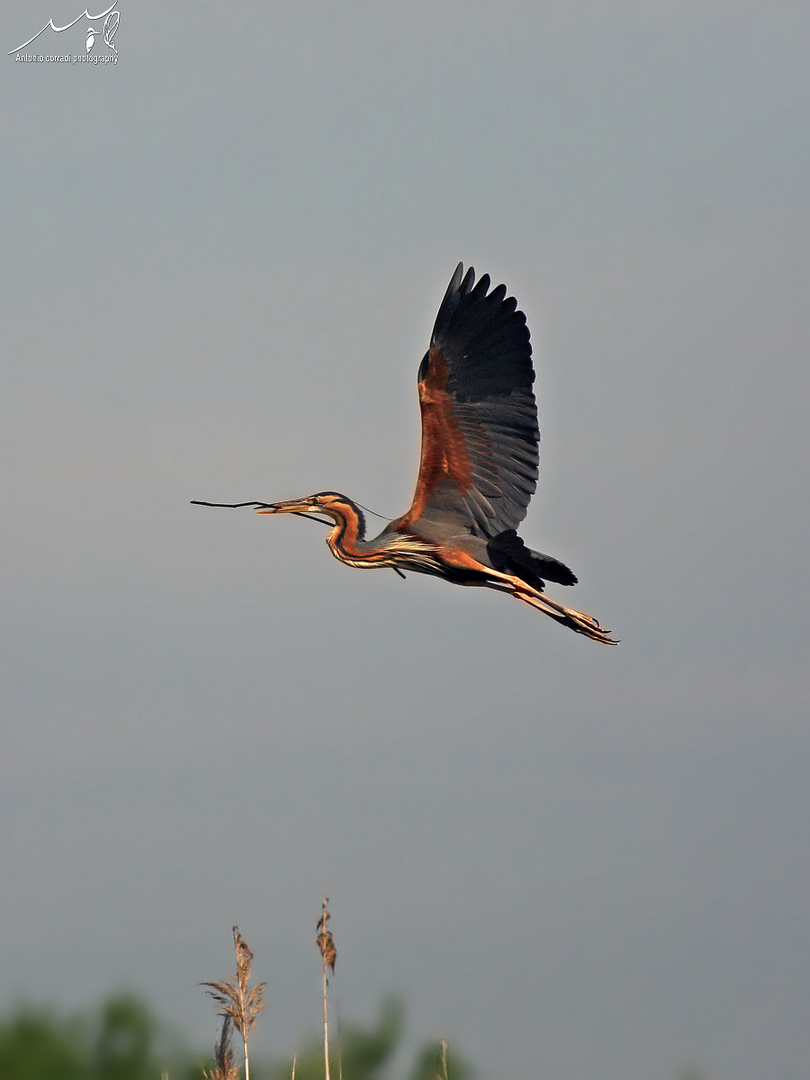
<point>332,505</point>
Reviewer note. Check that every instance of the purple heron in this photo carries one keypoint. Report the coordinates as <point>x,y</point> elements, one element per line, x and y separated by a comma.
<point>478,469</point>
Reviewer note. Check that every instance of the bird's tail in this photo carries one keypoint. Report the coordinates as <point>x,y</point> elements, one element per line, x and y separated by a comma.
<point>578,621</point>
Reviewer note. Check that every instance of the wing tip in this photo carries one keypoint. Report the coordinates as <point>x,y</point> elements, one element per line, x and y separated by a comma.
<point>469,310</point>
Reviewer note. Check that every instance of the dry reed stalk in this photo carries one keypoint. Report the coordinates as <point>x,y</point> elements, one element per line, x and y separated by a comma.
<point>326,944</point>
<point>239,1002</point>
<point>442,1060</point>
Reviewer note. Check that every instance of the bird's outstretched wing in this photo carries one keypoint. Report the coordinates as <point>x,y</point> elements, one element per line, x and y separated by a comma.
<point>479,417</point>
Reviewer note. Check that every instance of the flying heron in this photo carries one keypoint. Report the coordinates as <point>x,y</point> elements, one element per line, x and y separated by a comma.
<point>478,469</point>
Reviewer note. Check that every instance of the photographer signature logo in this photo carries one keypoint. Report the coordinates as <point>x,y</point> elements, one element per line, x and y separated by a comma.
<point>106,32</point>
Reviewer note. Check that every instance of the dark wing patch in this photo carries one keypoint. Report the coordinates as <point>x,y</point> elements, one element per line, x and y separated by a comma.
<point>479,416</point>
<point>509,554</point>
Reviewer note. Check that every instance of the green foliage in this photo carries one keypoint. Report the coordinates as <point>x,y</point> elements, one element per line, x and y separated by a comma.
<point>116,1044</point>
<point>429,1066</point>
<point>35,1045</point>
<point>122,1040</point>
<point>364,1053</point>
<point>368,1054</point>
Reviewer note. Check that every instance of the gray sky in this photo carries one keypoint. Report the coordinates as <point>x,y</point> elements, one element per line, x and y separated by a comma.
<point>222,259</point>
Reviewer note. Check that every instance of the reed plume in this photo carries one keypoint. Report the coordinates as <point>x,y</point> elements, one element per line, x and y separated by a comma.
<point>239,1003</point>
<point>324,940</point>
<point>326,944</point>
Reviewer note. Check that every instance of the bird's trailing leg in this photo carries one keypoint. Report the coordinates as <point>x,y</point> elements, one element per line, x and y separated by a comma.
<point>578,621</point>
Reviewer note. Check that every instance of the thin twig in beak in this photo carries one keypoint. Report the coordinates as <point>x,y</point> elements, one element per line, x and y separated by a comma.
<point>228,506</point>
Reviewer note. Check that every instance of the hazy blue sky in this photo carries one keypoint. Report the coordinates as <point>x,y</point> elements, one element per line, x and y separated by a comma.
<point>222,258</point>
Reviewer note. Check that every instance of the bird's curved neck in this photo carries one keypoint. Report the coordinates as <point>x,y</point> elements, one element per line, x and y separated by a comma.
<point>346,540</point>
<point>348,544</point>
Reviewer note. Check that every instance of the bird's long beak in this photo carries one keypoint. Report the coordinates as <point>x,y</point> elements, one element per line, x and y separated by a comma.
<point>301,507</point>
<point>295,506</point>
